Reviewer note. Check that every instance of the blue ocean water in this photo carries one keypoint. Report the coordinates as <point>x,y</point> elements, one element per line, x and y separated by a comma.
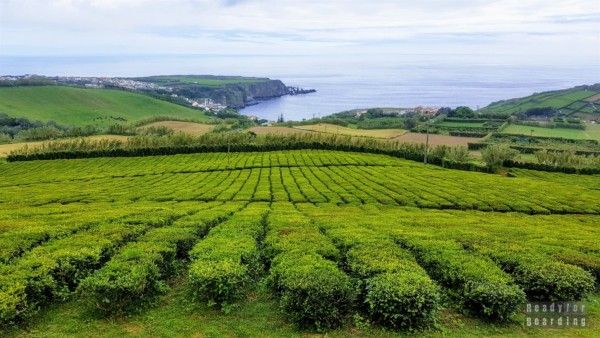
<point>342,83</point>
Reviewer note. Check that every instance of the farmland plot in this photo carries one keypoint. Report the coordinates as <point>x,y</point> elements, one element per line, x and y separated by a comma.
<point>329,237</point>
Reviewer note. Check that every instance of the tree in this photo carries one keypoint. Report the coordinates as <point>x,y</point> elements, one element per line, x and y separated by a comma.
<point>280,118</point>
<point>494,155</point>
<point>375,113</point>
<point>462,111</point>
<point>459,154</point>
<point>444,110</point>
<point>410,123</point>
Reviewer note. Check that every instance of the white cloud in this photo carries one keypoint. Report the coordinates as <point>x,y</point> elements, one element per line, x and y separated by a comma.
<point>527,28</point>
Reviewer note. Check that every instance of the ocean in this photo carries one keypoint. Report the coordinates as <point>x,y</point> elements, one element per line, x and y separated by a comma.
<point>342,82</point>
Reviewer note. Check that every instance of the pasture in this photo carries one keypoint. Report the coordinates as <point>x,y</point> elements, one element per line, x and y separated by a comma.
<point>286,243</point>
<point>80,107</point>
<point>573,101</point>
<point>335,129</point>
<point>592,132</point>
<point>191,128</point>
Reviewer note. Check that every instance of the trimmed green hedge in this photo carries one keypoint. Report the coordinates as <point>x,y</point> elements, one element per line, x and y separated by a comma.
<point>551,168</point>
<point>402,300</point>
<point>313,292</point>
<point>228,259</point>
<point>137,273</point>
<point>53,270</point>
<point>484,289</point>
<point>395,290</point>
<point>542,277</point>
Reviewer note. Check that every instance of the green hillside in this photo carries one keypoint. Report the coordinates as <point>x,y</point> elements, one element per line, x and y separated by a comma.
<point>579,101</point>
<point>202,80</point>
<point>80,107</point>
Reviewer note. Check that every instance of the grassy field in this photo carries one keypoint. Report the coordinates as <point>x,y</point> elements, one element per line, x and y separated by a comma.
<point>204,80</point>
<point>592,132</point>
<point>335,129</point>
<point>5,149</point>
<point>574,101</point>
<point>392,134</point>
<point>80,107</point>
<point>286,243</point>
<point>191,128</point>
<point>460,125</point>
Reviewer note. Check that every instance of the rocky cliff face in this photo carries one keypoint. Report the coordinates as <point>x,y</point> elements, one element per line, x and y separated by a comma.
<point>242,94</point>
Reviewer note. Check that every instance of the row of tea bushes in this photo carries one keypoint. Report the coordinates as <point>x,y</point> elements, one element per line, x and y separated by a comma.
<point>54,270</point>
<point>313,292</point>
<point>228,258</point>
<point>393,290</point>
<point>542,277</point>
<point>481,286</point>
<point>25,233</point>
<point>137,273</point>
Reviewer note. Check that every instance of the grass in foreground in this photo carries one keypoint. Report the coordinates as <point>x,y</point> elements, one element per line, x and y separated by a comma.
<point>176,315</point>
<point>79,107</point>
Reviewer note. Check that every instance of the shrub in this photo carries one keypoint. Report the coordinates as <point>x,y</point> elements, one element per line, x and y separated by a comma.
<point>458,154</point>
<point>401,300</point>
<point>541,277</point>
<point>553,281</point>
<point>484,289</point>
<point>5,138</point>
<point>124,284</point>
<point>39,133</point>
<point>494,155</point>
<point>137,273</point>
<point>54,270</point>
<point>220,282</point>
<point>228,259</point>
<point>315,294</point>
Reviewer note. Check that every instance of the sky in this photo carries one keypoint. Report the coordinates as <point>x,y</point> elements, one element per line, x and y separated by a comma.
<point>550,30</point>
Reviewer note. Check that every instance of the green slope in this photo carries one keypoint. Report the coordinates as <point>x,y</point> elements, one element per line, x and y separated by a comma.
<point>79,106</point>
<point>202,80</point>
<point>581,100</point>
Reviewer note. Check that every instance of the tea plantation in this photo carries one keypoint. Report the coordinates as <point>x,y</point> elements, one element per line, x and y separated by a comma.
<point>286,243</point>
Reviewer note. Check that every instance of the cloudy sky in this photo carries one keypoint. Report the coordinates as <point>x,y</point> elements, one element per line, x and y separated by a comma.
<point>519,28</point>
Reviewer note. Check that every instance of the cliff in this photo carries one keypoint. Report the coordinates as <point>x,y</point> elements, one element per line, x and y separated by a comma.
<point>240,95</point>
